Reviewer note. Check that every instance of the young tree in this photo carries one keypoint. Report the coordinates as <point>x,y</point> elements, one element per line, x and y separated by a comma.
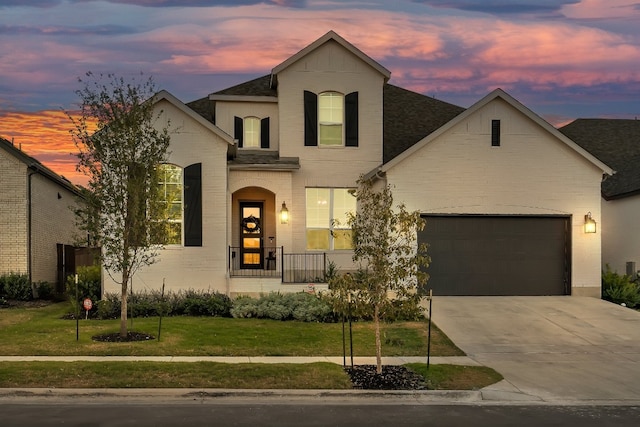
<point>120,151</point>
<point>386,248</point>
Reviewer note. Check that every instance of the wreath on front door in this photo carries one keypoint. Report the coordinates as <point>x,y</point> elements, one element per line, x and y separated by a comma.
<point>251,224</point>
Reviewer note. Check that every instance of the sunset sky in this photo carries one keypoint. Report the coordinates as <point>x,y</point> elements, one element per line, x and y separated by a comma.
<point>563,59</point>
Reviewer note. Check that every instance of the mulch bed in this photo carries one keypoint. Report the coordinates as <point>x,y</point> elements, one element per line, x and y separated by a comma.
<point>131,336</point>
<point>364,377</point>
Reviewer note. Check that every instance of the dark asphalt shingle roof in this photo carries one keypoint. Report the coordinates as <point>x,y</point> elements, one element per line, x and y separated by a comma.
<point>256,87</point>
<point>615,142</point>
<point>408,116</point>
<point>35,165</point>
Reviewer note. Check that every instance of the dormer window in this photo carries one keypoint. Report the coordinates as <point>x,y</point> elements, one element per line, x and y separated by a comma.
<point>251,132</point>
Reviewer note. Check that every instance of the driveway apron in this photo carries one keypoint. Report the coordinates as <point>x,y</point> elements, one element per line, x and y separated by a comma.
<point>549,348</point>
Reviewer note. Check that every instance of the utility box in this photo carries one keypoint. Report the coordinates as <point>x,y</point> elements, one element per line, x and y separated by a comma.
<point>631,270</point>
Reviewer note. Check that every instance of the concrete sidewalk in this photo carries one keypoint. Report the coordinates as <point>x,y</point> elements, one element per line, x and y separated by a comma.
<point>455,360</point>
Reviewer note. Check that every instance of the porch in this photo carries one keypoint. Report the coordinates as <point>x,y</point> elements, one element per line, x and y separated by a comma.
<point>275,263</point>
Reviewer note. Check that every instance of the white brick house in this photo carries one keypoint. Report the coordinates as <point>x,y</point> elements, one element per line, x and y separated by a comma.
<point>36,217</point>
<point>617,143</point>
<point>296,140</point>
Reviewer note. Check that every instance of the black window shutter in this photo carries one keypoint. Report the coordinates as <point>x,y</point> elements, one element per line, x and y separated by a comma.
<point>238,131</point>
<point>193,205</point>
<point>264,133</point>
<point>495,133</point>
<point>310,119</point>
<point>351,119</point>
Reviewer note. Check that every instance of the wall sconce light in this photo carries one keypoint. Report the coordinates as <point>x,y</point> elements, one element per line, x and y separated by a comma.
<point>284,214</point>
<point>589,224</point>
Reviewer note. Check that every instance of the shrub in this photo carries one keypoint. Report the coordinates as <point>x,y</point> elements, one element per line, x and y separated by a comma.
<point>89,285</point>
<point>292,306</point>
<point>16,286</point>
<point>244,307</point>
<point>619,288</point>
<point>182,303</point>
<point>108,307</point>
<point>44,290</point>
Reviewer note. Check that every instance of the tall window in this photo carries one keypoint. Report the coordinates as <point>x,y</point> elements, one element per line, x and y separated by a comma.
<point>170,182</point>
<point>327,210</point>
<point>251,132</point>
<point>330,118</point>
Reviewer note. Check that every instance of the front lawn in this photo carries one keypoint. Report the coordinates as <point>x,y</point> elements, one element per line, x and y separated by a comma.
<point>42,332</point>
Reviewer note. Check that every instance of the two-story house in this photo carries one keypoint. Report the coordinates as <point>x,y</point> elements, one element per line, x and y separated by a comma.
<point>37,224</point>
<point>260,177</point>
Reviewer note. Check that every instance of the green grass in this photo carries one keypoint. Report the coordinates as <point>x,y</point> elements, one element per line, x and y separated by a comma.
<point>220,375</point>
<point>455,377</point>
<point>172,375</point>
<point>42,331</point>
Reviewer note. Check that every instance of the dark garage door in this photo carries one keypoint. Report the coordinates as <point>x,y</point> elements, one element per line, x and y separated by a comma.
<point>498,255</point>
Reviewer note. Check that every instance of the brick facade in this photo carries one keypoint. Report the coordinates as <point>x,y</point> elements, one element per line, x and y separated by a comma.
<point>33,197</point>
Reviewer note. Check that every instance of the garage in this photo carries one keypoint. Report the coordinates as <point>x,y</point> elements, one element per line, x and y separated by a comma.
<point>498,255</point>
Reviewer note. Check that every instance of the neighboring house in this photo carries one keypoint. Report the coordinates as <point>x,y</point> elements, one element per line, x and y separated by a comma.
<point>504,193</point>
<point>37,223</point>
<point>617,143</point>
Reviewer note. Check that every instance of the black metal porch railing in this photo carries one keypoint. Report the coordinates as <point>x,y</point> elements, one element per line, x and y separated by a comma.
<point>290,268</point>
<point>270,264</point>
<point>304,268</point>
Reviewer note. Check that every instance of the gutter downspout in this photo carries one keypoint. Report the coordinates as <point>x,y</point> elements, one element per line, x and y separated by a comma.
<point>31,170</point>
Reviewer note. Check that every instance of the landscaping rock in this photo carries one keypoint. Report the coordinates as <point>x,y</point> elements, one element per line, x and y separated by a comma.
<point>364,377</point>
<point>115,337</point>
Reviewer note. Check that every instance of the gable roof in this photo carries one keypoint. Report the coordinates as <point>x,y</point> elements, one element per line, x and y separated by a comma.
<point>615,142</point>
<point>330,36</point>
<point>38,167</point>
<point>165,95</point>
<point>409,117</point>
<point>257,87</point>
<point>497,93</point>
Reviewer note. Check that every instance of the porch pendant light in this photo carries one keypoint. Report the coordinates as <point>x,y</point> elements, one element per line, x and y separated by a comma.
<point>284,214</point>
<point>589,224</point>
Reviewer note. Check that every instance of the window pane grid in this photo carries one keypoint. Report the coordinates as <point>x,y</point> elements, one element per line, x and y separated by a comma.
<point>170,183</point>
<point>330,118</point>
<point>327,227</point>
<point>251,132</point>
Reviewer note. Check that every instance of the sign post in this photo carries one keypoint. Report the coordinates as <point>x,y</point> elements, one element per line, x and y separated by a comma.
<point>77,310</point>
<point>87,304</point>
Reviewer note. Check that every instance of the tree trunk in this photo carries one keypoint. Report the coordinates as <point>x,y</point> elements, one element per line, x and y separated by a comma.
<point>376,318</point>
<point>123,305</point>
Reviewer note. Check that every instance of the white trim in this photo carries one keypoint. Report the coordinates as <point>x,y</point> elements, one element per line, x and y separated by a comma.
<point>331,35</point>
<point>165,95</point>
<point>243,98</point>
<point>497,93</point>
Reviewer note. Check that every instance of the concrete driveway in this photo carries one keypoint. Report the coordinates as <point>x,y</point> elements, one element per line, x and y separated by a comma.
<point>548,348</point>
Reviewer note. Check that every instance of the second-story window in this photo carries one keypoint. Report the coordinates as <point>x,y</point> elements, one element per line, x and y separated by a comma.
<point>330,118</point>
<point>251,132</point>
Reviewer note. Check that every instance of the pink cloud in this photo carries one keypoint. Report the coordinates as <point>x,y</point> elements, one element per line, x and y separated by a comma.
<point>45,136</point>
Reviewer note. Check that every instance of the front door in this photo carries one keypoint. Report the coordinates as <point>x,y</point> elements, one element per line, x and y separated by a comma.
<point>251,235</point>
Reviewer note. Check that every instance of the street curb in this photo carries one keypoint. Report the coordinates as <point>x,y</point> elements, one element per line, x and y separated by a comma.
<point>285,396</point>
